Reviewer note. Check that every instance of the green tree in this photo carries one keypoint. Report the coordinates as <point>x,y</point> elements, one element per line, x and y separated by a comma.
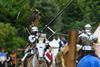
<point>48,9</point>
<point>90,10</point>
<point>8,37</point>
<point>79,13</point>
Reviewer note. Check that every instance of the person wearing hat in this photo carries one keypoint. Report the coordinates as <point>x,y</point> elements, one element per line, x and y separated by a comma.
<point>91,60</point>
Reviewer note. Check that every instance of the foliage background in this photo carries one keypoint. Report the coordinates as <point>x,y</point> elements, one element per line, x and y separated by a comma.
<point>14,18</point>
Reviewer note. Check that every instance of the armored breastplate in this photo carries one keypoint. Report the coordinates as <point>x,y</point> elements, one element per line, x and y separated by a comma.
<point>85,39</point>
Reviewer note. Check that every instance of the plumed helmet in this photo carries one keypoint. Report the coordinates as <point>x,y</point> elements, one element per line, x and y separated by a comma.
<point>87,25</point>
<point>36,11</point>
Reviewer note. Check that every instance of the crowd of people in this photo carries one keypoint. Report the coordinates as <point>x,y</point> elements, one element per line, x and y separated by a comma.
<point>49,49</point>
<point>44,48</point>
<point>7,59</point>
<point>87,44</point>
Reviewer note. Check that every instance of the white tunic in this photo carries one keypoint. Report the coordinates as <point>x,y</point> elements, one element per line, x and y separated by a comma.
<point>40,47</point>
<point>54,44</point>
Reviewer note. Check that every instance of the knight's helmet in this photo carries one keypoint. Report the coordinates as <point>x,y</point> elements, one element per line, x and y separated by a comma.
<point>88,27</point>
<point>34,30</point>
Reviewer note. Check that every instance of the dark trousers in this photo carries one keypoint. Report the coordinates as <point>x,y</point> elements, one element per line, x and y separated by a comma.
<point>48,63</point>
<point>3,64</point>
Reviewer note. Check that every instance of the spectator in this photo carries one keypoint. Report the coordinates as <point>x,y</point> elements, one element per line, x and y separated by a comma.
<point>62,42</point>
<point>48,55</point>
<point>13,59</point>
<point>91,60</point>
<point>3,58</point>
<point>54,44</point>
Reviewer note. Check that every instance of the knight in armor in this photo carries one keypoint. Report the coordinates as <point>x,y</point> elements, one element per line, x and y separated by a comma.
<point>85,42</point>
<point>35,17</point>
<point>31,49</point>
